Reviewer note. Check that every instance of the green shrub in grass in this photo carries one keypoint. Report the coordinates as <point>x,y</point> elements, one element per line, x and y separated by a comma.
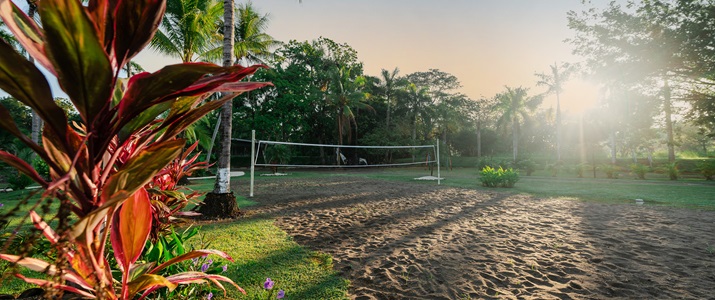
<point>639,170</point>
<point>707,168</point>
<point>491,177</point>
<point>610,170</point>
<point>672,170</point>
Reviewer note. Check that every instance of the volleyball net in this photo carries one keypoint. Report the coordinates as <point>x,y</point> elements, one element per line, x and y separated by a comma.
<point>291,155</point>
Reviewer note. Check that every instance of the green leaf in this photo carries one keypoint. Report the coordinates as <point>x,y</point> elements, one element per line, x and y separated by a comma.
<point>82,65</point>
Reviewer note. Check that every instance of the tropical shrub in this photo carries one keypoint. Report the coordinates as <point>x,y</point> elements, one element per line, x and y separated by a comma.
<point>672,170</point>
<point>555,168</point>
<point>610,170</point>
<point>491,177</point>
<point>529,166</point>
<point>639,170</point>
<point>707,169</point>
<point>18,181</point>
<point>278,154</point>
<point>99,167</point>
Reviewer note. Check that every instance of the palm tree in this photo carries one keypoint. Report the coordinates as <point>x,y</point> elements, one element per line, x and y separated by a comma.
<point>189,29</point>
<point>251,42</point>
<point>416,99</point>
<point>345,96</point>
<point>390,84</point>
<point>515,106</point>
<point>223,175</point>
<point>554,81</point>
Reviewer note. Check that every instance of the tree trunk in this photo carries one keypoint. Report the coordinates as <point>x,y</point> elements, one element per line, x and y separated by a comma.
<point>612,139</point>
<point>515,138</point>
<point>221,203</point>
<point>558,127</point>
<point>479,139</point>
<point>667,107</point>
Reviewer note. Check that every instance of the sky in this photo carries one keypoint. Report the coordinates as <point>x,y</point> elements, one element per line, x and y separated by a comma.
<point>486,44</point>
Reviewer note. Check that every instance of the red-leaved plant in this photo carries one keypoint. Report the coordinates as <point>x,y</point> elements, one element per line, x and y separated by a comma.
<point>99,168</point>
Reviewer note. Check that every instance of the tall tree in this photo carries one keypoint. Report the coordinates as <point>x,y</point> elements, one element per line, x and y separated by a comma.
<point>389,85</point>
<point>644,44</point>
<point>251,42</point>
<point>347,95</point>
<point>554,81</point>
<point>515,105</point>
<point>37,122</point>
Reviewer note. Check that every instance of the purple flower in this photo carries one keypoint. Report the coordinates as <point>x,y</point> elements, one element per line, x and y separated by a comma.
<point>204,267</point>
<point>210,261</point>
<point>225,267</point>
<point>2,204</point>
<point>281,294</point>
<point>209,296</point>
<point>268,284</point>
<point>195,260</point>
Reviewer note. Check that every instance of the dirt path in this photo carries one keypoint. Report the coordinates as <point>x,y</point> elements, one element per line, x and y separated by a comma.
<point>396,240</point>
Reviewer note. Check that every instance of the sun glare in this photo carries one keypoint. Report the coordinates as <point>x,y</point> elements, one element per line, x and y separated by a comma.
<point>578,96</point>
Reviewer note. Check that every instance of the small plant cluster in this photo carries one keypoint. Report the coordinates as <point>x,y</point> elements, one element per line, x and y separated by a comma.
<point>707,169</point>
<point>491,177</point>
<point>610,170</point>
<point>639,170</point>
<point>528,165</point>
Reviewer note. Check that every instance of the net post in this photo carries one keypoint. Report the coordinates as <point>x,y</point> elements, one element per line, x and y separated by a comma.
<point>439,177</point>
<point>253,159</point>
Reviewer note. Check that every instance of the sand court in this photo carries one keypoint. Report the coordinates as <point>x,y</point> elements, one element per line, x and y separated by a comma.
<point>402,240</point>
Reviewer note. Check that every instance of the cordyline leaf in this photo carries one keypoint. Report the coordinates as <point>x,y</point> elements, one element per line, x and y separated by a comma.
<point>22,166</point>
<point>100,12</point>
<point>137,270</point>
<point>84,226</point>
<point>139,170</point>
<point>46,230</point>
<point>130,229</point>
<point>187,277</point>
<point>143,119</point>
<point>173,81</point>
<point>178,123</point>
<point>47,283</point>
<point>26,32</point>
<point>41,266</point>
<point>190,255</point>
<point>148,281</point>
<point>21,79</point>
<point>82,65</point>
<point>137,21</point>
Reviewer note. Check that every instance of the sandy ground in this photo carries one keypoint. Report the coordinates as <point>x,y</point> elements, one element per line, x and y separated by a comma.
<point>397,240</point>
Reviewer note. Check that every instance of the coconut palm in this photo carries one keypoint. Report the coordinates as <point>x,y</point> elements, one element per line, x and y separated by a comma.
<point>251,42</point>
<point>554,81</point>
<point>189,29</point>
<point>345,95</point>
<point>390,84</point>
<point>515,104</point>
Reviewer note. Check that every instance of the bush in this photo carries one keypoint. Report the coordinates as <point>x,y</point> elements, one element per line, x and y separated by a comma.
<point>491,177</point>
<point>555,168</point>
<point>529,166</point>
<point>19,181</point>
<point>707,168</point>
<point>639,170</point>
<point>610,170</point>
<point>41,167</point>
<point>672,170</point>
<point>581,169</point>
<point>492,162</point>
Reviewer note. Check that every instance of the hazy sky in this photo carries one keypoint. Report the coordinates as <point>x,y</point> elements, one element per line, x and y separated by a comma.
<point>487,44</point>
